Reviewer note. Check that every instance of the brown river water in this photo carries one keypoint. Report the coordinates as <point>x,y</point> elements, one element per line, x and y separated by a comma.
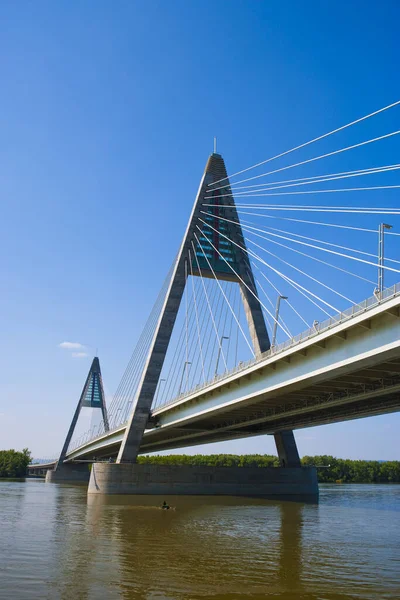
<point>55,544</point>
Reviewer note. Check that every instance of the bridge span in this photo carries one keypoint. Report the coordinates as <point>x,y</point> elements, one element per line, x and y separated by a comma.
<point>347,368</point>
<point>40,469</point>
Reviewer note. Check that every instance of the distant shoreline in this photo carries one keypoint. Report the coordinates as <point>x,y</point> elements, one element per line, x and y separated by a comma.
<point>330,469</point>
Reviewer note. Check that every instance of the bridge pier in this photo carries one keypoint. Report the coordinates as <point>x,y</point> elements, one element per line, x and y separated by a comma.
<point>287,449</point>
<point>69,473</point>
<point>166,480</point>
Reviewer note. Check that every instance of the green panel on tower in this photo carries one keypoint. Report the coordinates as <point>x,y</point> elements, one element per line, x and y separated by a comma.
<point>93,394</point>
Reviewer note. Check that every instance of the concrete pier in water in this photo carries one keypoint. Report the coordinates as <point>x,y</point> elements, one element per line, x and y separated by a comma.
<point>164,480</point>
<point>69,473</point>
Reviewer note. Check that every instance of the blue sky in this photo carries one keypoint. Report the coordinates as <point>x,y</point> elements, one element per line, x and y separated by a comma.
<point>107,116</point>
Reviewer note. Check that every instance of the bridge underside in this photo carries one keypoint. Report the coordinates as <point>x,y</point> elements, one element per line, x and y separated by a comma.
<point>352,396</point>
<point>298,411</point>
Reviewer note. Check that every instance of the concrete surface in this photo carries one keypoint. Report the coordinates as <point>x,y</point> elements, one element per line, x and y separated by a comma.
<point>114,478</point>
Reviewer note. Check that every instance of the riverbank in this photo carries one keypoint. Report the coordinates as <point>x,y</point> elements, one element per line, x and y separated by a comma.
<point>330,468</point>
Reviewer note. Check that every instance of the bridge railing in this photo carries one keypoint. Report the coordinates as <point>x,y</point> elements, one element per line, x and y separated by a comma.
<point>317,329</point>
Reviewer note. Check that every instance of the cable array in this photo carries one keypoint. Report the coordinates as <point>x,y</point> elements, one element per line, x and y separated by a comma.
<point>305,269</point>
<point>312,141</point>
<point>118,410</point>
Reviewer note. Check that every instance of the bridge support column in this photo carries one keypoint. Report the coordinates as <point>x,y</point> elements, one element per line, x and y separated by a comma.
<point>69,473</point>
<point>287,449</point>
<point>171,480</point>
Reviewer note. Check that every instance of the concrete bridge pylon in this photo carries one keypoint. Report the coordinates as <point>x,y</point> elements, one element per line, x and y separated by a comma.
<point>229,262</point>
<point>215,171</point>
<point>92,396</point>
<point>127,477</point>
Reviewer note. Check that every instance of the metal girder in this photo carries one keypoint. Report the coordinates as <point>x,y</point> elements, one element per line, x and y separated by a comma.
<point>365,324</point>
<point>326,414</point>
<point>258,416</point>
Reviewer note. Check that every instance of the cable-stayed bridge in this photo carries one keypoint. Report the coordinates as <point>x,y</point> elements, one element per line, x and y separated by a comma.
<point>263,327</point>
<point>347,369</point>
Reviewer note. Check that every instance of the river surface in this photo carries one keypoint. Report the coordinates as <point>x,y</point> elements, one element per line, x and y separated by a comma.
<point>56,544</point>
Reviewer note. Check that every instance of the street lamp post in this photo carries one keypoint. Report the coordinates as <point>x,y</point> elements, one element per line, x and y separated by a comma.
<point>183,373</point>
<point>381,257</point>
<point>224,337</point>
<point>128,408</point>
<point>116,415</point>
<point>160,381</point>
<point>278,304</point>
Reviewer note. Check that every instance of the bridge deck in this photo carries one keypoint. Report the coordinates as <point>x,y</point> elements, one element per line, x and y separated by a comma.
<point>346,370</point>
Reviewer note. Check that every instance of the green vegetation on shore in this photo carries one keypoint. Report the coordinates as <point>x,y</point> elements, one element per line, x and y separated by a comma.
<point>13,463</point>
<point>345,470</point>
<point>354,471</point>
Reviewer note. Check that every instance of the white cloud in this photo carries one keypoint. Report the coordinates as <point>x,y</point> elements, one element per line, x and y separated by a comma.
<point>71,346</point>
<point>79,355</point>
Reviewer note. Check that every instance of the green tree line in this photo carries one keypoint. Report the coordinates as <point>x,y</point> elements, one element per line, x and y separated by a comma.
<point>13,463</point>
<point>331,469</point>
<point>354,471</point>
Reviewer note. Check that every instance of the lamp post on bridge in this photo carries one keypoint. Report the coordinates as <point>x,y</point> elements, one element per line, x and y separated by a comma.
<point>278,305</point>
<point>116,416</point>
<point>160,381</point>
<point>224,337</point>
<point>187,362</point>
<point>128,408</point>
<point>381,258</point>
